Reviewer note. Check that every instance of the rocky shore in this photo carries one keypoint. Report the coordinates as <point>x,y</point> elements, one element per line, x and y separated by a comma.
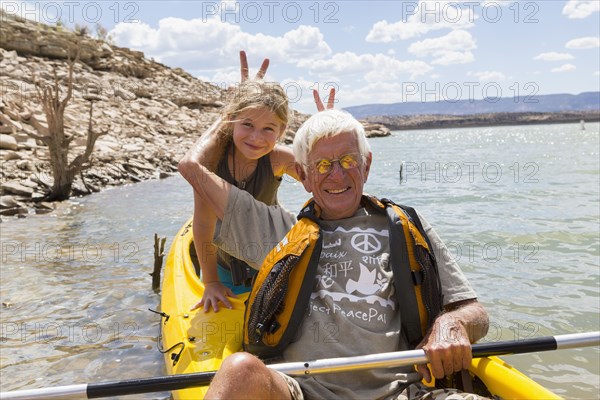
<point>152,113</point>
<point>150,121</point>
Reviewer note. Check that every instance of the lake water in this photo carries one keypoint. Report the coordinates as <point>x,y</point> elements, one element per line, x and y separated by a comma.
<point>519,208</point>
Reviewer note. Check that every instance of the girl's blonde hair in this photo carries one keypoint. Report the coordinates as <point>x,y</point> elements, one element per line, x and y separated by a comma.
<point>253,94</point>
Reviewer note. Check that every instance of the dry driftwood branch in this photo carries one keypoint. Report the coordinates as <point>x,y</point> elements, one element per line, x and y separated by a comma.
<point>159,254</point>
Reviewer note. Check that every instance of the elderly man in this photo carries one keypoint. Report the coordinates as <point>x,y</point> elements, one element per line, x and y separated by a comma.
<point>355,305</point>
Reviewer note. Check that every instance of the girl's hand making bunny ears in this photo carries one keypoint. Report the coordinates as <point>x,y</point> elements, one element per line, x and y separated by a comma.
<point>319,102</point>
<point>244,67</point>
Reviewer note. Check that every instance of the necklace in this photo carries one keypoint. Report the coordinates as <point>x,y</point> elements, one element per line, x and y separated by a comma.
<point>242,183</point>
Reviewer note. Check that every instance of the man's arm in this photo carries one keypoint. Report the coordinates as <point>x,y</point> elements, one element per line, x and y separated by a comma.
<point>448,342</point>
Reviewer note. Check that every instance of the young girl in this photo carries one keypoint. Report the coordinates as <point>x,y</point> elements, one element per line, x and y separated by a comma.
<point>251,123</point>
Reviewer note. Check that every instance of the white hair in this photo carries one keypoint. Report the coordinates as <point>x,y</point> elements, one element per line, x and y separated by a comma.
<point>327,124</point>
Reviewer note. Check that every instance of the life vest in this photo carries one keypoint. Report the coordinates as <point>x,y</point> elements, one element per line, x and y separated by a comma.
<point>281,290</point>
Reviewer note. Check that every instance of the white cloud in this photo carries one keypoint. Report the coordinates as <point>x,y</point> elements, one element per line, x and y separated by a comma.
<point>139,36</point>
<point>304,42</point>
<point>178,39</point>
<point>453,57</point>
<point>578,9</point>
<point>223,78</point>
<point>388,68</point>
<point>205,44</point>
<point>371,66</point>
<point>597,73</point>
<point>589,42</point>
<point>385,32</point>
<point>488,76</point>
<point>553,56</point>
<point>453,48</point>
<point>565,68</point>
<point>427,16</point>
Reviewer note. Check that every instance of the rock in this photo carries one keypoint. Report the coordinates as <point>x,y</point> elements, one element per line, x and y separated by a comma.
<point>14,187</point>
<point>42,179</point>
<point>21,137</point>
<point>8,202</point>
<point>25,165</point>
<point>19,211</point>
<point>8,142</point>
<point>29,183</point>
<point>132,148</point>
<point>124,94</point>
<point>108,143</point>
<point>8,129</point>
<point>37,196</point>
<point>8,125</point>
<point>44,205</point>
<point>106,47</point>
<point>25,115</point>
<point>139,165</point>
<point>93,97</point>
<point>9,155</point>
<point>29,144</point>
<point>38,122</point>
<point>375,130</point>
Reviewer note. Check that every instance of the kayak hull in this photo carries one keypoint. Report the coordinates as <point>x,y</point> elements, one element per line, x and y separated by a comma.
<point>195,341</point>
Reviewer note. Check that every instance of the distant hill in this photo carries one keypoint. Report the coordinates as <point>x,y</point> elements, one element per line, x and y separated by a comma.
<point>438,121</point>
<point>588,101</point>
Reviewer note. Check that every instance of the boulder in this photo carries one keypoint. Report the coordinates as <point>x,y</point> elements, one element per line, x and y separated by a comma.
<point>9,155</point>
<point>14,187</point>
<point>8,202</point>
<point>8,142</point>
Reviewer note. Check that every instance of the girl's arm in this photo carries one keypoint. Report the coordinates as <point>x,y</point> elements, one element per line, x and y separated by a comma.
<point>206,151</point>
<point>204,229</point>
<point>283,162</point>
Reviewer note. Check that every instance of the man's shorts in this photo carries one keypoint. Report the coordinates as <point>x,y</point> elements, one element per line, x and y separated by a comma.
<point>293,385</point>
<point>413,392</point>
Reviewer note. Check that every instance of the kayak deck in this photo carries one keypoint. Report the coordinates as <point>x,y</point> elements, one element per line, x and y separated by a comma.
<point>197,341</point>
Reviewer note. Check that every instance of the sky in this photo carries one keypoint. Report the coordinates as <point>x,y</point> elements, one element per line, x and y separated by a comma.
<point>370,51</point>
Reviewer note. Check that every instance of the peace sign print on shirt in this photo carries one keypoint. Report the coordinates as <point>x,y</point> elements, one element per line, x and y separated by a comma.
<point>365,243</point>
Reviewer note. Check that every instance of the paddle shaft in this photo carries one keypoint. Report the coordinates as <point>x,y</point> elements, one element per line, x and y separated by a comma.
<point>342,364</point>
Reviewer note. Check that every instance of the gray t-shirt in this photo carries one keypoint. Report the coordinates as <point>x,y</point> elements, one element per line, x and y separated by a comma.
<point>353,308</point>
<point>352,311</point>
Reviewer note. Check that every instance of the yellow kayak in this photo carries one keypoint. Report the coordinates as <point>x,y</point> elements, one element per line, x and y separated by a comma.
<point>199,341</point>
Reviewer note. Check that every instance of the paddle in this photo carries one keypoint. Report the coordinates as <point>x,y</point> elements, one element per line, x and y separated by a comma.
<point>383,360</point>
